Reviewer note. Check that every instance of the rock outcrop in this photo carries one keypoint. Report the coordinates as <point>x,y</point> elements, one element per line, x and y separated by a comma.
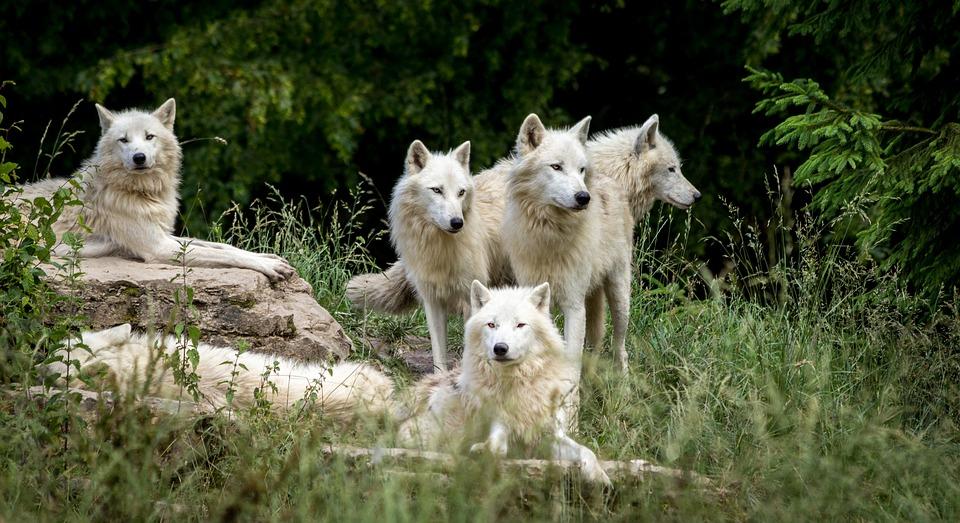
<point>232,306</point>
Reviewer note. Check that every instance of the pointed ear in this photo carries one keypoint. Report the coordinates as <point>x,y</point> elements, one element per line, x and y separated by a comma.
<point>647,139</point>
<point>167,113</point>
<point>582,130</point>
<point>116,335</point>
<point>540,297</point>
<point>462,154</point>
<point>106,117</point>
<point>531,134</point>
<point>479,296</point>
<point>417,157</point>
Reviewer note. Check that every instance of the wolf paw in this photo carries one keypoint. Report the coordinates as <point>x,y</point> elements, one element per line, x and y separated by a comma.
<point>277,270</point>
<point>497,449</point>
<point>593,472</point>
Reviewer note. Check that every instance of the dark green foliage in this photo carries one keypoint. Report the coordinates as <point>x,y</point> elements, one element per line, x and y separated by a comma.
<point>26,241</point>
<point>881,145</point>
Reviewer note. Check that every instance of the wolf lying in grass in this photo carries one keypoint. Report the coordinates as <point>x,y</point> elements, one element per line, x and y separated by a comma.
<point>509,390</point>
<point>142,364</point>
<point>512,383</point>
<point>130,189</point>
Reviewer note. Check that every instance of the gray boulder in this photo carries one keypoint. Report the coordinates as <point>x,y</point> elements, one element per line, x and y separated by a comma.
<point>232,305</point>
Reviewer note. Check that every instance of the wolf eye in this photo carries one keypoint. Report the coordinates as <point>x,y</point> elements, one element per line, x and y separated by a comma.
<point>492,325</point>
<point>437,190</point>
<point>149,136</point>
<point>123,140</point>
<point>582,170</point>
<point>462,192</point>
<point>672,169</point>
<point>556,166</point>
<point>521,325</point>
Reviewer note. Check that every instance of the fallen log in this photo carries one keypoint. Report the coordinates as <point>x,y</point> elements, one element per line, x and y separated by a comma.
<point>635,470</point>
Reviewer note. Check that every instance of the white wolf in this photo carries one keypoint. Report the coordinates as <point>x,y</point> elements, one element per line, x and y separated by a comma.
<point>130,194</point>
<point>644,164</point>
<point>436,226</point>
<point>138,363</point>
<point>570,226</point>
<point>510,387</point>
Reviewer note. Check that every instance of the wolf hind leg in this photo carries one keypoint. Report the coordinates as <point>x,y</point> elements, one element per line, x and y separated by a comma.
<point>596,318</point>
<point>617,287</point>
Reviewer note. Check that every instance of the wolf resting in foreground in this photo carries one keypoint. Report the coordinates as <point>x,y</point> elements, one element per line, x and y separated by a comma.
<point>436,225</point>
<point>510,387</point>
<point>138,363</point>
<point>130,195</point>
<point>508,391</point>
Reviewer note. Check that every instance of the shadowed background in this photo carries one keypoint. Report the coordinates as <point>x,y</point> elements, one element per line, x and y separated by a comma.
<point>309,93</point>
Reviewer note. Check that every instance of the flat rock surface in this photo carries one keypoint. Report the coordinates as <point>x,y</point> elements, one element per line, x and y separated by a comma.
<point>232,306</point>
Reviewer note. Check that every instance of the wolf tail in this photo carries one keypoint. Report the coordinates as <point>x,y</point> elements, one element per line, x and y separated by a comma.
<point>388,292</point>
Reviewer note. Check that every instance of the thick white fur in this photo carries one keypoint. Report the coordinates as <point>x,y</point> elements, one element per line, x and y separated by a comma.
<point>639,158</point>
<point>137,362</point>
<point>435,192</point>
<point>548,237</point>
<point>645,165</point>
<point>131,209</point>
<point>512,398</point>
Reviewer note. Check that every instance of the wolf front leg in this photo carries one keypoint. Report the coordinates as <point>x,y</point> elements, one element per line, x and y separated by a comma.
<point>169,251</point>
<point>437,325</point>
<point>227,247</point>
<point>566,449</point>
<point>574,329</point>
<point>496,442</point>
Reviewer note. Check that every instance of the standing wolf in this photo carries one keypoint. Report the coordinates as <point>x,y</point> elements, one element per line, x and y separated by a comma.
<point>644,164</point>
<point>436,226</point>
<point>514,377</point>
<point>130,195</point>
<point>139,364</point>
<point>570,226</point>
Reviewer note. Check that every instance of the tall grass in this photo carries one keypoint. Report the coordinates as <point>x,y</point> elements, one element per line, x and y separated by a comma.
<point>804,382</point>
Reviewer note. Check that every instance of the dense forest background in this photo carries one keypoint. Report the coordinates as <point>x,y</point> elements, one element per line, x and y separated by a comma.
<point>308,93</point>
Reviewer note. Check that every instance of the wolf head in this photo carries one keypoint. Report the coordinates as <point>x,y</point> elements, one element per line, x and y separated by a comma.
<point>436,188</point>
<point>660,158</point>
<point>553,163</point>
<point>139,142</point>
<point>508,326</point>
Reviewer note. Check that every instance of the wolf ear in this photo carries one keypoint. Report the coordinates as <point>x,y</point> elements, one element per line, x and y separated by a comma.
<point>531,134</point>
<point>106,117</point>
<point>540,297</point>
<point>167,113</point>
<point>647,139</point>
<point>417,157</point>
<point>582,130</point>
<point>462,154</point>
<point>479,296</point>
<point>116,335</point>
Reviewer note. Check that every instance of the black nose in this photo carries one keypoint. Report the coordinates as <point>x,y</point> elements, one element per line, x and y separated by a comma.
<point>582,197</point>
<point>456,223</point>
<point>696,196</point>
<point>500,349</point>
<point>139,158</point>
